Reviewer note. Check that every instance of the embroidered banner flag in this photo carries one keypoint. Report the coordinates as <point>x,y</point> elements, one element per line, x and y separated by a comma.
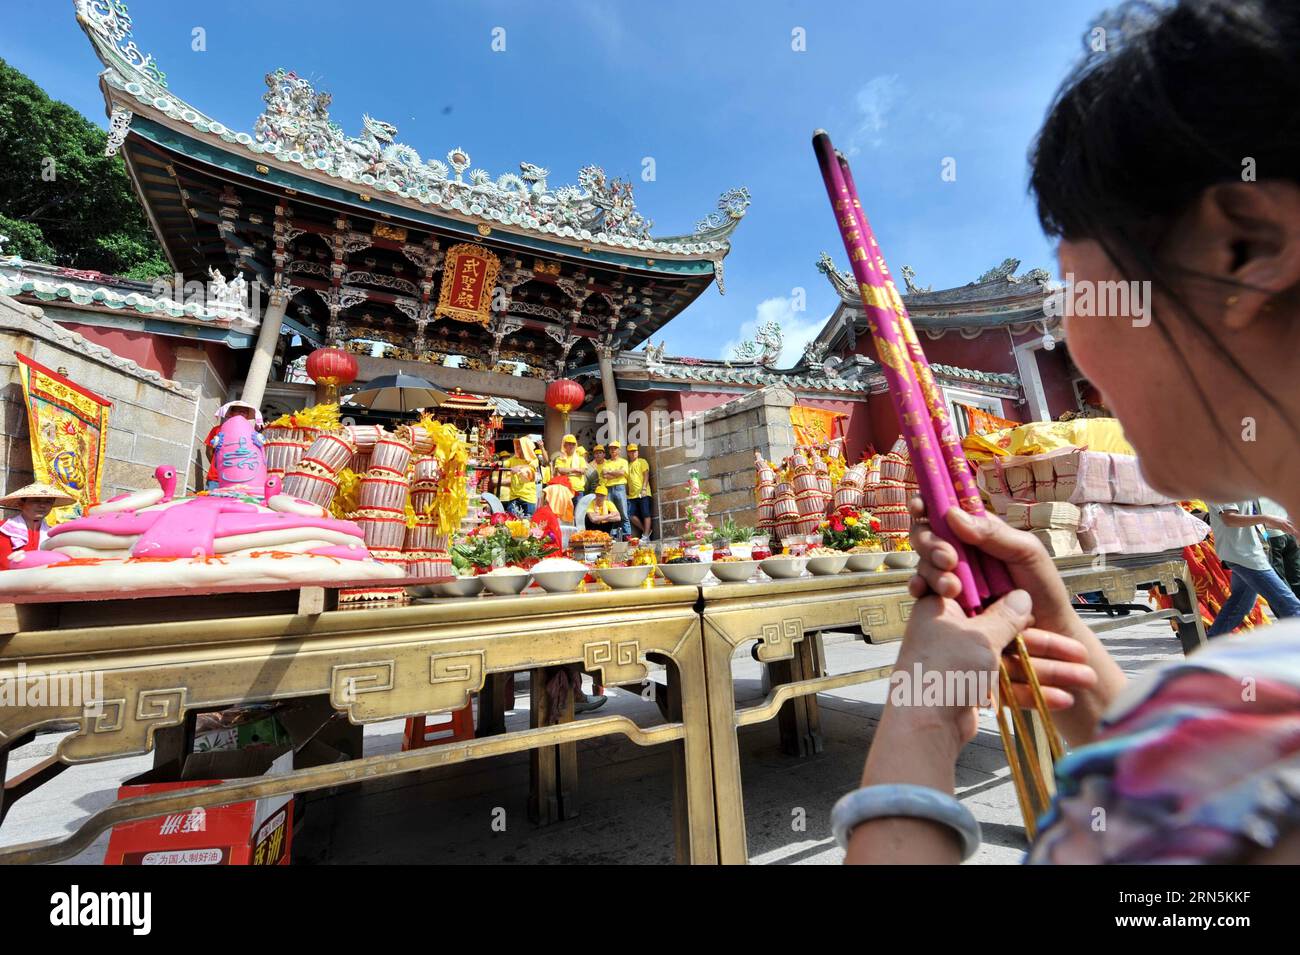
<point>69,431</point>
<point>469,277</point>
<point>813,425</point>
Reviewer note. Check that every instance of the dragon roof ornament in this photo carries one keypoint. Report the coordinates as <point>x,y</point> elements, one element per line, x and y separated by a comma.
<point>296,128</point>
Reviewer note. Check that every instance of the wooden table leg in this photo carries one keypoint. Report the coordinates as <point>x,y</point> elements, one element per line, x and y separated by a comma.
<point>1190,635</point>
<point>810,651</point>
<point>729,802</point>
<point>543,802</point>
<point>792,721</point>
<point>566,761</point>
<point>493,702</point>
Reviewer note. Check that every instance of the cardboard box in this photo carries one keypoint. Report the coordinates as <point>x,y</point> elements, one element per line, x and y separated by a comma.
<point>255,832</point>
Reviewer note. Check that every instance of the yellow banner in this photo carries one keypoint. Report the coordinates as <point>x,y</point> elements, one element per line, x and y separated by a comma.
<point>813,425</point>
<point>69,432</point>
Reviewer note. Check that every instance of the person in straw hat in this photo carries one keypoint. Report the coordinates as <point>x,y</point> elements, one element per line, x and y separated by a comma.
<point>27,530</point>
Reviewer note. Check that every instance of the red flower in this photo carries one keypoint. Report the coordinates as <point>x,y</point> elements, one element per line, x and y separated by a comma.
<point>499,518</point>
<point>837,523</point>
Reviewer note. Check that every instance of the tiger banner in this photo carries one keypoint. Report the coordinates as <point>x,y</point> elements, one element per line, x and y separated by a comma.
<point>69,432</point>
<point>813,426</point>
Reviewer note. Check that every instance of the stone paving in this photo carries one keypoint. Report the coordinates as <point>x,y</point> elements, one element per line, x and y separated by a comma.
<point>446,815</point>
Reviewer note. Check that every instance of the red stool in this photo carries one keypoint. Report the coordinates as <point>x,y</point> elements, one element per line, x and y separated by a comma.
<point>450,727</point>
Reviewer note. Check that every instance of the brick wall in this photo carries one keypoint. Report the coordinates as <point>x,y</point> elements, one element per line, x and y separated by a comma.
<point>729,434</point>
<point>153,421</point>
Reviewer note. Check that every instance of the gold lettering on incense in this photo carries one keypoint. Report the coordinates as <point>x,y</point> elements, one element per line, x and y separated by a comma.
<point>873,296</point>
<point>891,358</point>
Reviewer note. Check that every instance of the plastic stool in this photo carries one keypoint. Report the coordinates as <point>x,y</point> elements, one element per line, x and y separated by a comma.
<point>450,727</point>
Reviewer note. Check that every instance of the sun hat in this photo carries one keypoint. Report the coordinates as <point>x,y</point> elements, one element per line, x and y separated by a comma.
<point>37,489</point>
<point>601,489</point>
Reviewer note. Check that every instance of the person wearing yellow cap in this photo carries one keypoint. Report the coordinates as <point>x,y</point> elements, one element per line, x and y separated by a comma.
<point>639,501</point>
<point>569,466</point>
<point>602,514</point>
<point>613,474</point>
<point>523,481</point>
<point>592,476</point>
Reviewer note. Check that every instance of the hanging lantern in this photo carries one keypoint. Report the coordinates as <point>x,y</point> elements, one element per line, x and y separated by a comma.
<point>564,396</point>
<point>332,367</point>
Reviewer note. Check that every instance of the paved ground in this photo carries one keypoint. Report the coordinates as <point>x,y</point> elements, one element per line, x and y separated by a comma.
<point>447,815</point>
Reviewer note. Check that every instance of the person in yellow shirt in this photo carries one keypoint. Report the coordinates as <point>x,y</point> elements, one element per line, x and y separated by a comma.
<point>499,481</point>
<point>613,474</point>
<point>602,514</point>
<point>523,482</point>
<point>639,501</point>
<point>570,466</point>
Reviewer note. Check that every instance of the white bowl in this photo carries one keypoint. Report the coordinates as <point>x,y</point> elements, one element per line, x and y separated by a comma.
<point>460,587</point>
<point>559,581</point>
<point>826,565</point>
<point>734,571</point>
<point>902,558</point>
<point>624,578</point>
<point>685,573</point>
<point>866,561</point>
<point>784,568</point>
<point>505,585</point>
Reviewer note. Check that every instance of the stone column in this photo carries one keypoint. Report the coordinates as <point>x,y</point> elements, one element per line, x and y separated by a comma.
<point>553,430</point>
<point>605,357</point>
<point>259,369</point>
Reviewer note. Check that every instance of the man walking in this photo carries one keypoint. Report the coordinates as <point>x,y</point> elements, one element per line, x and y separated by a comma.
<point>1240,546</point>
<point>1282,548</point>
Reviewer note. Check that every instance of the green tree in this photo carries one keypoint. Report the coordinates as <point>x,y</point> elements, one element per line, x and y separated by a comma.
<point>61,199</point>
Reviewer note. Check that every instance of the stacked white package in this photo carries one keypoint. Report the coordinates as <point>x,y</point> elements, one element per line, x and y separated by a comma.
<point>1061,542</point>
<point>1017,515</point>
<point>1138,529</point>
<point>1053,515</point>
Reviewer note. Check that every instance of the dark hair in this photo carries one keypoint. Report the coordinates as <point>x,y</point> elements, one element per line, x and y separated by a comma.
<point>1181,95</point>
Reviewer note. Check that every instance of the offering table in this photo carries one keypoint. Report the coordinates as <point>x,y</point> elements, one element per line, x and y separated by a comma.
<point>373,665</point>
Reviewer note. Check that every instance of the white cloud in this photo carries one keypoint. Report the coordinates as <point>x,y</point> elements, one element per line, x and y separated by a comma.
<point>797,329</point>
<point>874,103</point>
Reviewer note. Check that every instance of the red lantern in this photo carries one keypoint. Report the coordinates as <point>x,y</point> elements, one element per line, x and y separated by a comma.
<point>564,396</point>
<point>332,367</point>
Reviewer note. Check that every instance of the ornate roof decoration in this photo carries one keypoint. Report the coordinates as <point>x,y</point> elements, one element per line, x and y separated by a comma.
<point>979,377</point>
<point>653,364</point>
<point>764,348</point>
<point>296,129</point>
<point>224,303</point>
<point>909,280</point>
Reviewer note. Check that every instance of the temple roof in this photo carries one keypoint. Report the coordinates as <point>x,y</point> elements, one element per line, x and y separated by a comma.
<point>37,282</point>
<point>296,133</point>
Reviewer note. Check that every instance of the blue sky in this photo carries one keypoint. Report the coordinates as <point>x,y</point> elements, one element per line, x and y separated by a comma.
<point>714,92</point>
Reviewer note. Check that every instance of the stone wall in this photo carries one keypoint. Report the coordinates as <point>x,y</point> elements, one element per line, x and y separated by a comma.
<point>728,435</point>
<point>154,420</point>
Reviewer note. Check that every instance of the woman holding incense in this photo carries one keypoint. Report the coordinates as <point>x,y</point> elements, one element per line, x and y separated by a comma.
<point>1173,158</point>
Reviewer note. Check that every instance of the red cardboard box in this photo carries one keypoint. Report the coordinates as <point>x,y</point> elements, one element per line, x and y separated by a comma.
<point>257,832</point>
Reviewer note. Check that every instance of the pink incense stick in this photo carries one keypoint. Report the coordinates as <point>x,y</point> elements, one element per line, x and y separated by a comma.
<point>909,401</point>
<point>994,580</point>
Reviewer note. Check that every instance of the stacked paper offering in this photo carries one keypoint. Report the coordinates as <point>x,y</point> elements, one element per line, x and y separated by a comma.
<point>1077,500</point>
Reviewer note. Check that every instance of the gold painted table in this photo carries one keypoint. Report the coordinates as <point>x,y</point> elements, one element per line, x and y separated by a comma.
<point>786,619</point>
<point>373,665</point>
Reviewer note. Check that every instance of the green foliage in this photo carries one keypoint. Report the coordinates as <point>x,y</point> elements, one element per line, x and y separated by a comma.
<point>61,199</point>
<point>729,532</point>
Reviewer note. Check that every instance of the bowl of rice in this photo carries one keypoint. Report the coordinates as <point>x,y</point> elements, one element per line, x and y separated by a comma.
<point>460,587</point>
<point>559,575</point>
<point>822,561</point>
<point>505,581</point>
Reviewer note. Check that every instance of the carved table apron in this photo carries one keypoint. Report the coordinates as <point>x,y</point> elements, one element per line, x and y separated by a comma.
<point>374,665</point>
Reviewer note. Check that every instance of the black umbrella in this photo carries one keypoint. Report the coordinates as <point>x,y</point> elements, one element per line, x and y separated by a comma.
<point>398,393</point>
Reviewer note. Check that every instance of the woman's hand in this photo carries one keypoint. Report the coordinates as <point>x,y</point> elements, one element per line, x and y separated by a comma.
<point>1061,648</point>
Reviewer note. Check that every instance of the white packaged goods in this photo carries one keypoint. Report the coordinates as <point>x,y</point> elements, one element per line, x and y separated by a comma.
<point>1072,475</point>
<point>1018,515</point>
<point>1059,543</point>
<point>1138,529</point>
<point>1052,515</point>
